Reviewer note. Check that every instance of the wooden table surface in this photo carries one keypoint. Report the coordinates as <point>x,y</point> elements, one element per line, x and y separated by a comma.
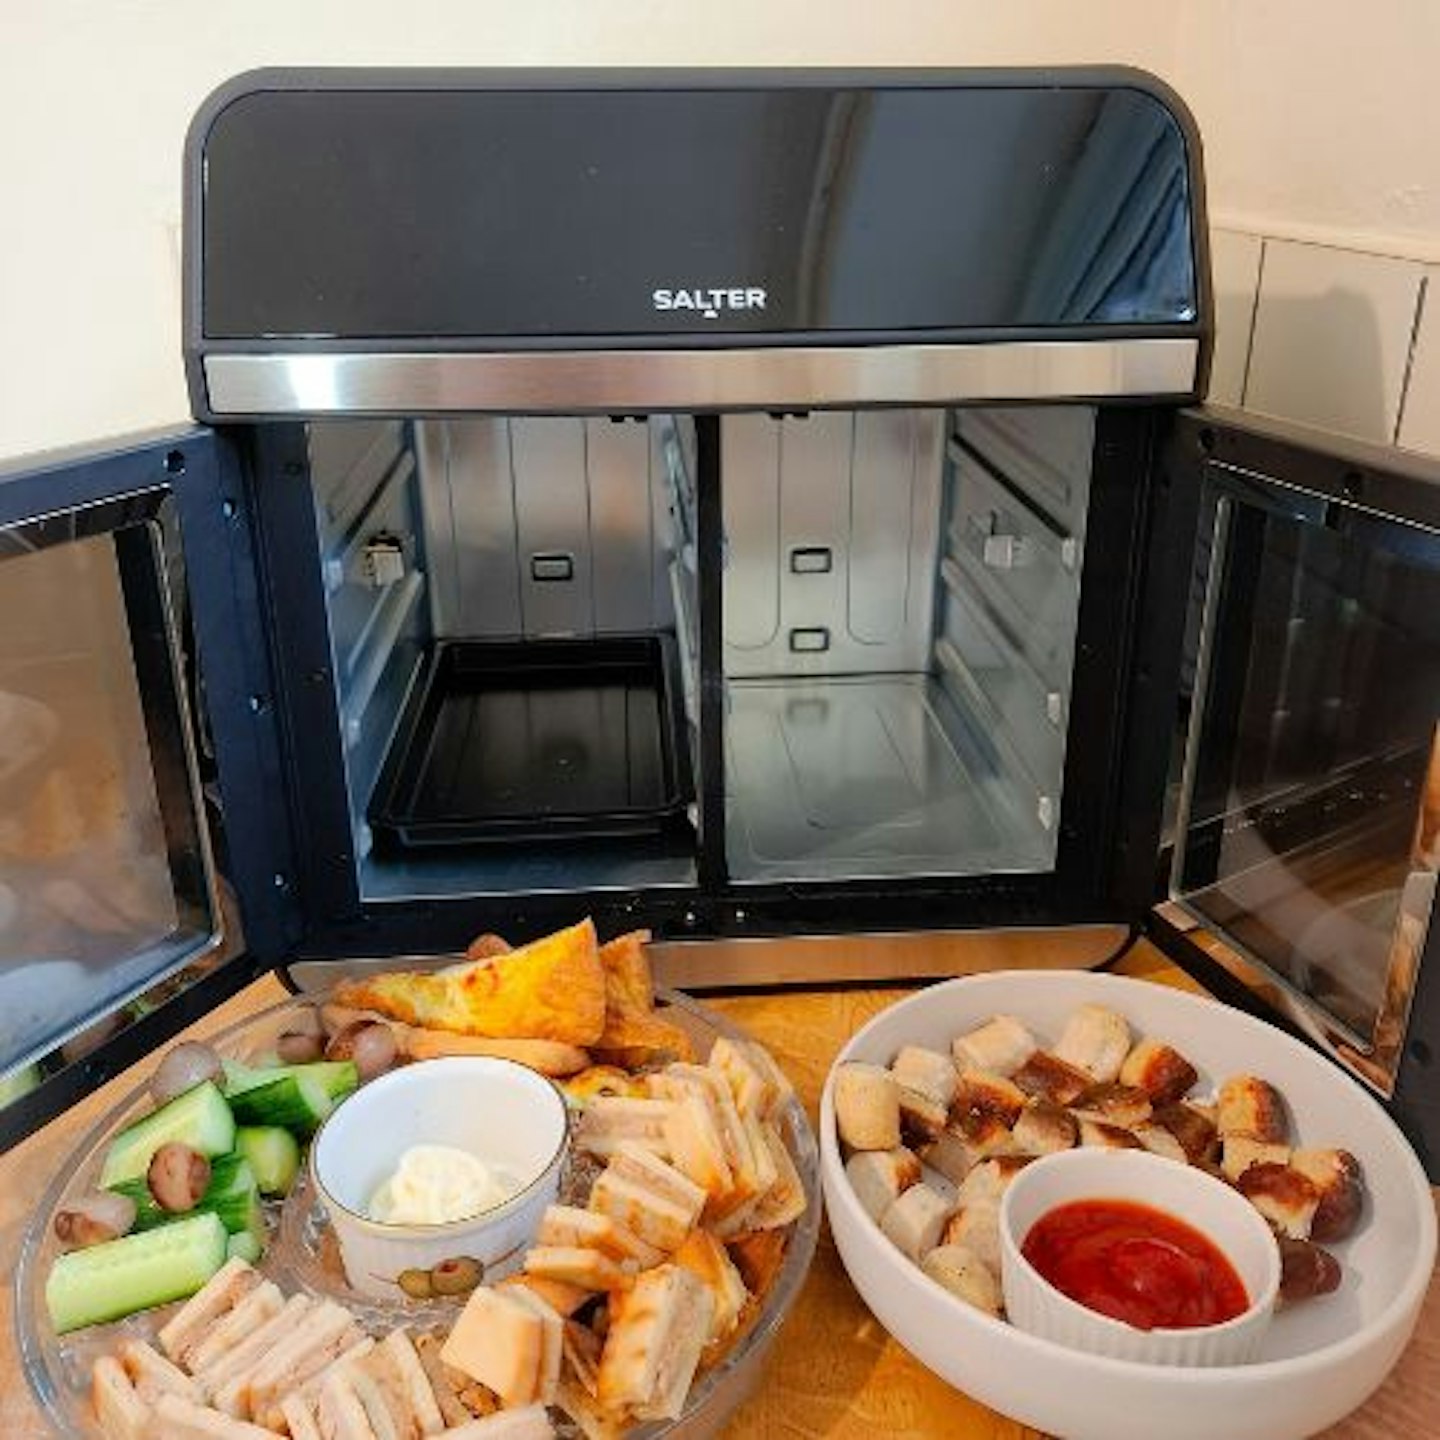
<point>834,1371</point>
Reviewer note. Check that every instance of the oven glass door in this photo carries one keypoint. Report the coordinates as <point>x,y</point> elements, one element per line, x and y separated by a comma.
<point>108,898</point>
<point>1307,833</point>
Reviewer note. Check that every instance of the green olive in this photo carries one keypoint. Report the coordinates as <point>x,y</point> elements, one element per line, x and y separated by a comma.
<point>458,1276</point>
<point>415,1283</point>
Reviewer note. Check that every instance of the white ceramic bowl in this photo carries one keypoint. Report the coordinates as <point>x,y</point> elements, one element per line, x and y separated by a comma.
<point>503,1113</point>
<point>1223,1215</point>
<point>1318,1360</point>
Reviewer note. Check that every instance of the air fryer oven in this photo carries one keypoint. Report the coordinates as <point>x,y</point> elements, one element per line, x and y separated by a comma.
<point>751,505</point>
<point>646,504</point>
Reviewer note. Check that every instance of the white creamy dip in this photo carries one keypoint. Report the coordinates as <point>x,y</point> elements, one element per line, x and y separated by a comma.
<point>434,1184</point>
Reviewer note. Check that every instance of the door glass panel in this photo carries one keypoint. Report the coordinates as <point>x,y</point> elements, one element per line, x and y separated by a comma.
<point>104,876</point>
<point>1301,831</point>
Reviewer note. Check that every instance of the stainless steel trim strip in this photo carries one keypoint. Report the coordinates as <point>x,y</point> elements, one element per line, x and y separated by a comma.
<point>556,382</point>
<point>760,962</point>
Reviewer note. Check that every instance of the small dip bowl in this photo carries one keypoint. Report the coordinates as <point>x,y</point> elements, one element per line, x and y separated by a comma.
<point>504,1114</point>
<point>1224,1216</point>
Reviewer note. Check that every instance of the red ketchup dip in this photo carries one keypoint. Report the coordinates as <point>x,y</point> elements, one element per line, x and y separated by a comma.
<point>1135,1263</point>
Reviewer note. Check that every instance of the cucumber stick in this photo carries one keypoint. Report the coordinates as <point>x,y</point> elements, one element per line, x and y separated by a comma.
<point>243,1245</point>
<point>199,1118</point>
<point>119,1277</point>
<point>274,1156</point>
<point>339,1077</point>
<point>294,1101</point>
<point>232,1194</point>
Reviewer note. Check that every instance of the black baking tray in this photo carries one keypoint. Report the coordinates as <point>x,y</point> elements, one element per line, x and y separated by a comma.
<point>536,740</point>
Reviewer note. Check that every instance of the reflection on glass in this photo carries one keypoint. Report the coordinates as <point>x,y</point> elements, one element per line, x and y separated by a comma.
<point>1312,749</point>
<point>89,906</point>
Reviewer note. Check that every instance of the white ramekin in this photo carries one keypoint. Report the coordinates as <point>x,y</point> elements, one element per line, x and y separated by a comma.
<point>505,1114</point>
<point>1223,1215</point>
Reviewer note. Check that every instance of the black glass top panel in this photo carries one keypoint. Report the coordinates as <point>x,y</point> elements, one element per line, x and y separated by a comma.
<point>546,213</point>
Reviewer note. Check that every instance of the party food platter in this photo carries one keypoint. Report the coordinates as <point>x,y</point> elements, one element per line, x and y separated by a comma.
<point>310,1273</point>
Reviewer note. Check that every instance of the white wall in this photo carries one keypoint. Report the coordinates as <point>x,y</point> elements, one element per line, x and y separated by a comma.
<point>1321,118</point>
<point>1313,124</point>
<point>95,96</point>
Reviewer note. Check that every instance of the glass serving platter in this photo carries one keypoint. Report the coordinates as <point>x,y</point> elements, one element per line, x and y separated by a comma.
<point>300,1258</point>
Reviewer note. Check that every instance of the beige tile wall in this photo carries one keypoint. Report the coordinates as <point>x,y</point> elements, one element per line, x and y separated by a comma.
<point>1337,338</point>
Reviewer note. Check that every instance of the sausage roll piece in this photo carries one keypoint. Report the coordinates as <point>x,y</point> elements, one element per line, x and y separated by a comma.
<point>1283,1196</point>
<point>1002,1046</point>
<point>1254,1107</point>
<point>959,1148</point>
<point>1158,1069</point>
<point>1336,1175</point>
<point>922,1117</point>
<point>1095,1040</point>
<point>988,1180</point>
<point>1306,1270</point>
<point>1193,1128</point>
<point>976,1227</point>
<point>927,1071</point>
<point>867,1107</point>
<point>963,1273</point>
<point>1045,1077</point>
<point>1159,1141</point>
<point>1239,1152</point>
<point>984,1094</point>
<point>1104,1136</point>
<point>1044,1128</point>
<point>1115,1104</point>
<point>880,1177</point>
<point>915,1221</point>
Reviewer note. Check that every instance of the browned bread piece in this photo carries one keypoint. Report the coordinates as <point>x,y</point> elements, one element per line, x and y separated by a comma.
<point>1104,1136</point>
<point>915,1221</point>
<point>1043,1128</point>
<point>1283,1196</point>
<point>959,1148</point>
<point>1116,1104</point>
<point>1194,1129</point>
<point>1239,1152</point>
<point>867,1106</point>
<point>1046,1077</point>
<point>880,1177</point>
<point>1159,1141</point>
<point>922,1117</point>
<point>927,1071</point>
<point>985,1095</point>
<point>1336,1175</point>
<point>964,1274</point>
<point>1160,1070</point>
<point>1001,1046</point>
<point>989,1179</point>
<point>1096,1040</point>
<point>975,1226</point>
<point>1251,1106</point>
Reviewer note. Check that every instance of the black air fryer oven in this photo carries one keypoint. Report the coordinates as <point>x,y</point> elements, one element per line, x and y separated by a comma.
<point>743,504</point>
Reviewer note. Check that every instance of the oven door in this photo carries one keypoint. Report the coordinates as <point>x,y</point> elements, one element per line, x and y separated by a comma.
<point>1307,838</point>
<point>114,927</point>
